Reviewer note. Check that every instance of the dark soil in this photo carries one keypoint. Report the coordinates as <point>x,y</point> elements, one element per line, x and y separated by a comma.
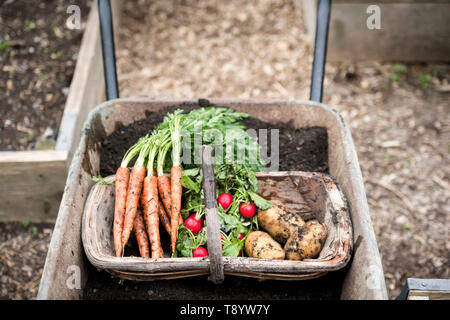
<point>101,285</point>
<point>37,55</point>
<point>10,230</point>
<point>301,149</point>
<point>304,149</point>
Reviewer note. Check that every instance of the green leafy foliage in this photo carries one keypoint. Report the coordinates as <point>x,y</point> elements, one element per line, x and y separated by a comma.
<point>99,179</point>
<point>187,183</point>
<point>241,182</point>
<point>425,80</point>
<point>4,44</point>
<point>187,241</point>
<point>58,54</point>
<point>259,201</point>
<point>400,70</point>
<point>232,247</point>
<point>31,25</point>
<point>25,224</point>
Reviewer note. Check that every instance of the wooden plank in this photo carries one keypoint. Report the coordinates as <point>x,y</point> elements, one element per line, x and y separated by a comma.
<point>31,185</point>
<point>87,89</point>
<point>32,182</point>
<point>369,2</point>
<point>410,30</point>
<point>428,295</point>
<point>309,17</point>
<point>212,217</point>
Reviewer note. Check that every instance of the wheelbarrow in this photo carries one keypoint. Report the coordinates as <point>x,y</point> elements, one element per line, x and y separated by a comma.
<point>66,273</point>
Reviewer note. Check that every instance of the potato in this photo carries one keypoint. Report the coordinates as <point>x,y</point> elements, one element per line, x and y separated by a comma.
<point>306,242</point>
<point>261,245</point>
<point>279,222</point>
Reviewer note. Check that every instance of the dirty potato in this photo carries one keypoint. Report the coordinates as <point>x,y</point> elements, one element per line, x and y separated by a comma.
<point>306,242</point>
<point>261,245</point>
<point>279,222</point>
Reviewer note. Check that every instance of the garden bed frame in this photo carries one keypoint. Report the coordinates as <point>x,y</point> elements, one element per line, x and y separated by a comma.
<point>33,181</point>
<point>410,30</point>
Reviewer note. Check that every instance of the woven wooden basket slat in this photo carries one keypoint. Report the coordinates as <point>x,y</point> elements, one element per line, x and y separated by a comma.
<point>312,195</point>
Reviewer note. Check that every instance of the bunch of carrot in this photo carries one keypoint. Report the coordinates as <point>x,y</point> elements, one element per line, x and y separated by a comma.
<point>145,197</point>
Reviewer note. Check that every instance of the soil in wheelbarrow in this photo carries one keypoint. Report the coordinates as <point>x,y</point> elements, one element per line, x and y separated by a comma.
<point>303,149</point>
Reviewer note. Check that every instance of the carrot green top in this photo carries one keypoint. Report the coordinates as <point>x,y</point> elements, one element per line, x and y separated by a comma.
<point>133,151</point>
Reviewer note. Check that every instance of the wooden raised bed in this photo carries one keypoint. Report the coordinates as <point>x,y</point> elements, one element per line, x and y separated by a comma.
<point>32,182</point>
<point>410,30</point>
<point>364,277</point>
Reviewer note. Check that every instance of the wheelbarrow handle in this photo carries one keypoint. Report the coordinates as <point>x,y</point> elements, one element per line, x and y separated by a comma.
<point>320,50</point>
<point>108,50</point>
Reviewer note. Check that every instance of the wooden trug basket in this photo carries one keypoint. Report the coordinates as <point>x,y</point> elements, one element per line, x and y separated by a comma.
<point>312,195</point>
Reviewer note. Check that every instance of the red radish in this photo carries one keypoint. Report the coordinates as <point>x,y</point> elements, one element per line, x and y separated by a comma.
<point>225,200</point>
<point>247,210</point>
<point>240,237</point>
<point>199,252</point>
<point>193,224</point>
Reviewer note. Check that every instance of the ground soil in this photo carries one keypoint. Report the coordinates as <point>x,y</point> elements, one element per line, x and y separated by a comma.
<point>37,56</point>
<point>23,248</point>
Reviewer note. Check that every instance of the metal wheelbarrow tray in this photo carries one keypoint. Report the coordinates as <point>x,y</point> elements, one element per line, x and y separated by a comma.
<point>364,278</point>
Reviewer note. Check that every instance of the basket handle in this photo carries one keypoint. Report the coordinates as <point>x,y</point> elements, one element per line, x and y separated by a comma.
<point>212,221</point>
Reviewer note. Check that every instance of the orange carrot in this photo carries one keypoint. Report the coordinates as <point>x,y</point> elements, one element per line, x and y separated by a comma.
<point>121,188</point>
<point>176,190</point>
<point>164,192</point>
<point>150,200</point>
<point>180,220</point>
<point>141,235</point>
<point>134,194</point>
<point>121,185</point>
<point>151,211</point>
<point>164,218</point>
